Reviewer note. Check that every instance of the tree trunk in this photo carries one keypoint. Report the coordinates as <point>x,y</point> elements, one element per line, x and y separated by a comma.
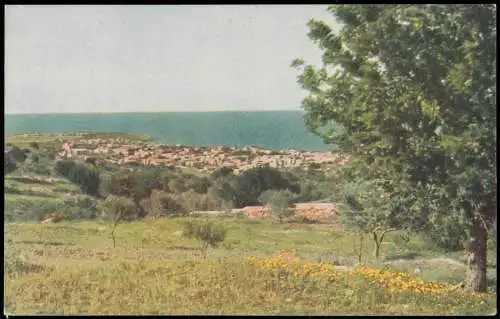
<point>360,253</point>
<point>113,237</point>
<point>377,241</point>
<point>476,258</point>
<point>377,250</point>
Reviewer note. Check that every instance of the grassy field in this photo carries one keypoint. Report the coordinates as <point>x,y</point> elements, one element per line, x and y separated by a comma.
<point>72,268</point>
<point>55,141</point>
<point>35,194</point>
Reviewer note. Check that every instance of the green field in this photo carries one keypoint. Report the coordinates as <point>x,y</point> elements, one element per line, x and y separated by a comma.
<point>72,268</point>
<point>55,141</point>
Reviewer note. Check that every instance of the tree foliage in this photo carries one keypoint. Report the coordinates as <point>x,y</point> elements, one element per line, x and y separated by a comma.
<point>162,204</point>
<point>414,88</point>
<point>87,178</point>
<point>17,154</point>
<point>251,183</point>
<point>279,201</point>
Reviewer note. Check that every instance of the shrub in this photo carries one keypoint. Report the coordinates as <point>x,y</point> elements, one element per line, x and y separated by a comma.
<point>17,154</point>
<point>135,185</point>
<point>87,178</point>
<point>28,210</point>
<point>251,183</point>
<point>206,233</point>
<point>39,168</point>
<point>64,167</point>
<point>34,145</point>
<point>81,208</point>
<point>161,204</point>
<point>280,203</point>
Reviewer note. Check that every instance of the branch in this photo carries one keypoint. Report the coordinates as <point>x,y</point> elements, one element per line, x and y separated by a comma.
<point>389,230</point>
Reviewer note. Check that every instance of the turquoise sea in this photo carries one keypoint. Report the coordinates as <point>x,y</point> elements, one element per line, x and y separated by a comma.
<point>272,129</point>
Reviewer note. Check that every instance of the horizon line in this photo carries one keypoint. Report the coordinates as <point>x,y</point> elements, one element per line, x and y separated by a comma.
<point>138,112</point>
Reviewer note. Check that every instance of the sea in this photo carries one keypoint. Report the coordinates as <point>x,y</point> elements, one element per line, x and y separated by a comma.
<point>267,129</point>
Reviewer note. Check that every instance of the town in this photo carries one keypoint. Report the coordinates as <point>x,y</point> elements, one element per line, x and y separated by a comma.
<point>132,152</point>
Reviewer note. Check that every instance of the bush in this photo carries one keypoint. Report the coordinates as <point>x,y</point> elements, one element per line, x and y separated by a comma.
<point>24,210</point>
<point>135,185</point>
<point>34,145</point>
<point>81,208</point>
<point>251,183</point>
<point>280,203</point>
<point>38,168</point>
<point>87,178</point>
<point>161,204</point>
<point>206,233</point>
<point>17,154</point>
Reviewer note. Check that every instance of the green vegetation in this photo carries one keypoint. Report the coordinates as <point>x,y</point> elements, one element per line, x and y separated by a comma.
<point>279,202</point>
<point>206,233</point>
<point>75,187</point>
<point>54,269</point>
<point>413,88</point>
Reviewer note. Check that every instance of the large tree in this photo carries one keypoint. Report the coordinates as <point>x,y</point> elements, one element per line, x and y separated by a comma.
<point>414,87</point>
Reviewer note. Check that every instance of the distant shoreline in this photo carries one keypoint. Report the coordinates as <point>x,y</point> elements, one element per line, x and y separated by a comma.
<point>155,112</point>
<point>268,129</point>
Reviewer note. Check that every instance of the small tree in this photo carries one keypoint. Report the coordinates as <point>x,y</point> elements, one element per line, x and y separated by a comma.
<point>116,209</point>
<point>206,233</point>
<point>366,206</point>
<point>280,203</point>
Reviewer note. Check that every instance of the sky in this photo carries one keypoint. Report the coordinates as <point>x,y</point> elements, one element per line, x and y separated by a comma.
<point>82,59</point>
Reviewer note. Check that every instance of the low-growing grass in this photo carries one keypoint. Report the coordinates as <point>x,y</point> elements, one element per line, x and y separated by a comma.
<point>71,268</point>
